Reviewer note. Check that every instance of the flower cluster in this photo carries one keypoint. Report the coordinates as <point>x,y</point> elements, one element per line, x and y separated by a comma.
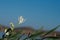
<point>9,30</point>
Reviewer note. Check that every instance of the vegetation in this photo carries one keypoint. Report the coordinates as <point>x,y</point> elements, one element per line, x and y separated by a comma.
<point>10,34</point>
<point>17,36</point>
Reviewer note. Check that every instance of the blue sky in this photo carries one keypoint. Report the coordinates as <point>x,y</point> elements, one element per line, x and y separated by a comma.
<point>36,12</point>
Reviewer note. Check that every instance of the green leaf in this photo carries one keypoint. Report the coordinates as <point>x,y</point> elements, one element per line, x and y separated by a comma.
<point>51,37</point>
<point>52,30</point>
<point>34,35</point>
<point>13,35</point>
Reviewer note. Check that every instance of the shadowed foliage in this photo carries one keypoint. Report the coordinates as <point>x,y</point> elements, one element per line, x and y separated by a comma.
<point>17,34</point>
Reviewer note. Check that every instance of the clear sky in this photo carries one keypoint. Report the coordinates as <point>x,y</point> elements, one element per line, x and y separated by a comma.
<point>36,12</point>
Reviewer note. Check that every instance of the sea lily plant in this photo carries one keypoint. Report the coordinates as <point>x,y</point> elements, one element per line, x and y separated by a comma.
<point>11,35</point>
<point>8,31</point>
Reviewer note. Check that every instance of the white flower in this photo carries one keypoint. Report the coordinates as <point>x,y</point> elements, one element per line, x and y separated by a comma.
<point>12,26</point>
<point>21,19</point>
<point>5,30</point>
<point>7,33</point>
